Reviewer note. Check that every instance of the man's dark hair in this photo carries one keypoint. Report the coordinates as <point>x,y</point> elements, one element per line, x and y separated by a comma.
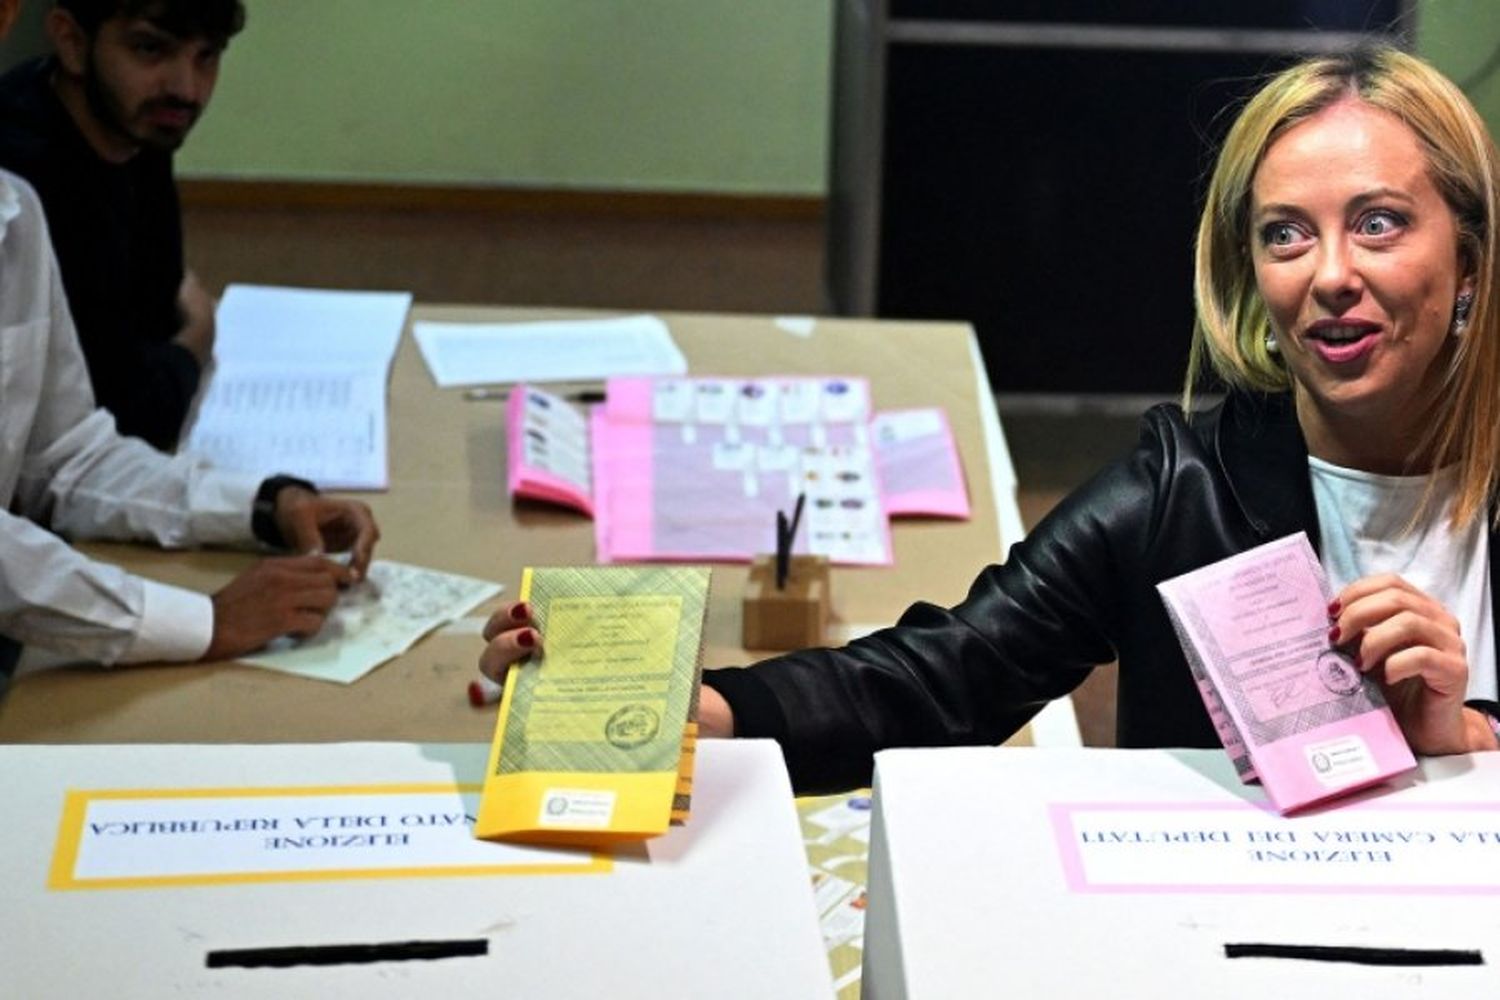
<point>216,19</point>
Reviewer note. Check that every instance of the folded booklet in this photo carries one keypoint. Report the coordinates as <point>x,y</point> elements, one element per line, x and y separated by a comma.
<point>697,468</point>
<point>1291,710</point>
<point>549,450</point>
<point>595,738</point>
<point>920,474</point>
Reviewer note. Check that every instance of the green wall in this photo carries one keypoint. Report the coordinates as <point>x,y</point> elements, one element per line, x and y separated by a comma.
<point>719,96</point>
<point>676,95</point>
<point>1460,37</point>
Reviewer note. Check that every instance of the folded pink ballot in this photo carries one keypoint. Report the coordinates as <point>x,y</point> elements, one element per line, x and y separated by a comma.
<point>1291,709</point>
<point>920,474</point>
<point>549,449</point>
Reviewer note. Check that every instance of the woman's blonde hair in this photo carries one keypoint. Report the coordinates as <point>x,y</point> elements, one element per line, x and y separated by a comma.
<point>1230,332</point>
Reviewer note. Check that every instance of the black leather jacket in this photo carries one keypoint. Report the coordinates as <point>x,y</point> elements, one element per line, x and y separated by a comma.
<point>1078,592</point>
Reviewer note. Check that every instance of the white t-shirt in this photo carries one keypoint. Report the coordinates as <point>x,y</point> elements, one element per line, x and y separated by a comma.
<point>1362,520</point>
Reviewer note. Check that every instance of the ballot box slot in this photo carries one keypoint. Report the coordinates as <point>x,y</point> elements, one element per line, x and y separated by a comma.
<point>1356,954</point>
<point>345,954</point>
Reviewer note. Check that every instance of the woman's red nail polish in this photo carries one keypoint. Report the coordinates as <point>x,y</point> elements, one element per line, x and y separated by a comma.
<point>1333,634</point>
<point>1334,608</point>
<point>520,612</point>
<point>526,639</point>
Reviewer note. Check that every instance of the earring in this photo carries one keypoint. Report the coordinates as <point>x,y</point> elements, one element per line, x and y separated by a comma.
<point>1462,306</point>
<point>1272,347</point>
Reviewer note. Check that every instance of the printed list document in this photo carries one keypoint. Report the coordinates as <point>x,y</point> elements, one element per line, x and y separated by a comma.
<point>376,620</point>
<point>571,350</point>
<point>298,384</point>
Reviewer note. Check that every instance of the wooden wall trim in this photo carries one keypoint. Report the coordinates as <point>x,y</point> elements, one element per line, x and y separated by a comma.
<point>253,194</point>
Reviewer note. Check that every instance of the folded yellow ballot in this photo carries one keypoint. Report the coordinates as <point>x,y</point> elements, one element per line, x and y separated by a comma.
<point>596,734</point>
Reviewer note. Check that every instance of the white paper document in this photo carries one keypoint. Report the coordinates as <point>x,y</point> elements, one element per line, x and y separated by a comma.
<point>553,351</point>
<point>377,619</point>
<point>323,424</point>
<point>292,327</point>
<point>298,384</point>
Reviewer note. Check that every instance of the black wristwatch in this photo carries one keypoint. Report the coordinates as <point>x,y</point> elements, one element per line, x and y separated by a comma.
<point>263,512</point>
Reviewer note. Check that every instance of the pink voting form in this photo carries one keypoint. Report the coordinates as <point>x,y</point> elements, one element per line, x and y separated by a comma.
<point>697,468</point>
<point>1254,628</point>
<point>549,450</point>
<point>920,474</point>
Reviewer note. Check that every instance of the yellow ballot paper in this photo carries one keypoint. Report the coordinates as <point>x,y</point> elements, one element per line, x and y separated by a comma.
<point>596,735</point>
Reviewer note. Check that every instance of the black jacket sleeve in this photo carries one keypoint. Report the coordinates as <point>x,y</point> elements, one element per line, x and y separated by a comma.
<point>1028,631</point>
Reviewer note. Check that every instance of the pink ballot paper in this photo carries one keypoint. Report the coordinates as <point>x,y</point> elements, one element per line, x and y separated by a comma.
<point>697,468</point>
<point>549,449</point>
<point>920,474</point>
<point>1290,709</point>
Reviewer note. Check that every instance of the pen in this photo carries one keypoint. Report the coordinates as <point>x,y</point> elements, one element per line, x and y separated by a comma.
<point>580,396</point>
<point>791,531</point>
<point>786,534</point>
<point>783,550</point>
<point>484,692</point>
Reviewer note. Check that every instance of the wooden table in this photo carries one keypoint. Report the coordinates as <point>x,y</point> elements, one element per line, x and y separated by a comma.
<point>447,508</point>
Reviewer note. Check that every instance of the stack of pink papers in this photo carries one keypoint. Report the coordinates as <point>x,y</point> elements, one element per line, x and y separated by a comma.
<point>696,468</point>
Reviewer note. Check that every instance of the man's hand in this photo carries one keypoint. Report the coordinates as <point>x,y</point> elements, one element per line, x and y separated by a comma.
<point>275,597</point>
<point>312,524</point>
<point>197,309</point>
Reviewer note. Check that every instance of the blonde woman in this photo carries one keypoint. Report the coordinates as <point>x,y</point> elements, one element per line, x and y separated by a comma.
<point>1346,295</point>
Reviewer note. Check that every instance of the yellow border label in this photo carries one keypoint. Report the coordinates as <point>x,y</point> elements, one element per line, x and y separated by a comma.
<point>76,806</point>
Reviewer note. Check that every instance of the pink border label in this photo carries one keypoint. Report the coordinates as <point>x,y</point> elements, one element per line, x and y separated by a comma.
<point>1070,856</point>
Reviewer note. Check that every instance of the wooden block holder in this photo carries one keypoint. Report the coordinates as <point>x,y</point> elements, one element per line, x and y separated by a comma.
<point>793,618</point>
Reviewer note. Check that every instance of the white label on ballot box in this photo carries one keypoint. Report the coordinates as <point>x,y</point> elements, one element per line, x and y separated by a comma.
<point>1338,762</point>
<point>577,807</point>
<point>132,839</point>
<point>1244,848</point>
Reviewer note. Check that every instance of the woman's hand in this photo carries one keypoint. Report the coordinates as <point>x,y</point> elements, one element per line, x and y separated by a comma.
<point>1412,647</point>
<point>510,637</point>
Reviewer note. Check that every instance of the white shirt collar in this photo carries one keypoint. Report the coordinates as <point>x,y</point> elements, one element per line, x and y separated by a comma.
<point>10,202</point>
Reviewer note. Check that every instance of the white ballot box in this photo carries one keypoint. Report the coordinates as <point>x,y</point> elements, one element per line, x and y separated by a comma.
<point>349,870</point>
<point>1139,873</point>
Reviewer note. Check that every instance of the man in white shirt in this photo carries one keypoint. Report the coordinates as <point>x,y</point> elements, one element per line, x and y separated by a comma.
<point>66,474</point>
<point>63,467</point>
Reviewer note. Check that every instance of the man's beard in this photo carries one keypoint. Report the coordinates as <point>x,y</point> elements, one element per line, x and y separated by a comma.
<point>117,118</point>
